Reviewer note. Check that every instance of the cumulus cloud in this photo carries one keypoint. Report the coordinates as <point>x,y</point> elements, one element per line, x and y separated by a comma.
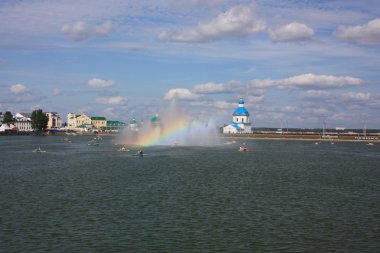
<point>100,83</point>
<point>224,105</point>
<point>80,31</point>
<point>18,88</point>
<point>367,34</point>
<point>210,88</point>
<point>359,96</point>
<point>317,94</point>
<point>181,93</point>
<point>309,80</point>
<point>254,99</point>
<point>118,100</point>
<point>236,22</point>
<point>291,32</point>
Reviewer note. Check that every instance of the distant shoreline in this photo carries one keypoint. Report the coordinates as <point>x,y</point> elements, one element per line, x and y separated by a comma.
<point>254,136</point>
<point>301,137</point>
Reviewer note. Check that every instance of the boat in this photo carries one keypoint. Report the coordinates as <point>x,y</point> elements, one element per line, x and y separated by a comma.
<point>123,149</point>
<point>66,139</point>
<point>370,144</point>
<point>243,149</point>
<point>140,153</point>
<point>39,150</point>
<point>93,143</point>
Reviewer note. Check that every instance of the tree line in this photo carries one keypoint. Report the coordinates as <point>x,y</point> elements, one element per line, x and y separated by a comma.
<point>39,119</point>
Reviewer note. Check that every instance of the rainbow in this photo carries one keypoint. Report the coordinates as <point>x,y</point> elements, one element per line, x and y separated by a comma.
<point>166,134</point>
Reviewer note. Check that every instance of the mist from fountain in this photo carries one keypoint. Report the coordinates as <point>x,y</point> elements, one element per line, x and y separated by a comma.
<point>172,127</point>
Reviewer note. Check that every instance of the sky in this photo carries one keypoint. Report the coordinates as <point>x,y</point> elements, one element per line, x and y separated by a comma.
<point>296,63</point>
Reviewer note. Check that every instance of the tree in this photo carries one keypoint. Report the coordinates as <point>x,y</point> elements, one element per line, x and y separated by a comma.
<point>39,120</point>
<point>8,118</point>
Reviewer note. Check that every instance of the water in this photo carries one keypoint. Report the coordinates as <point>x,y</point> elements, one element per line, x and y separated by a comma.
<point>281,196</point>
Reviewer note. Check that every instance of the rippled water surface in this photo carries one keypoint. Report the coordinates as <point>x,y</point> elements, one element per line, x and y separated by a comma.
<point>281,196</point>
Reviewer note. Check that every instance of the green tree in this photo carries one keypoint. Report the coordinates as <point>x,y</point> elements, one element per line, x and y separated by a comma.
<point>39,120</point>
<point>8,118</point>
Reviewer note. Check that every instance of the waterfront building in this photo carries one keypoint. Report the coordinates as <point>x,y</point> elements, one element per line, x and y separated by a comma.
<point>8,128</point>
<point>83,120</point>
<point>72,120</point>
<point>54,120</point>
<point>98,122</point>
<point>113,126</point>
<point>241,123</point>
<point>23,122</point>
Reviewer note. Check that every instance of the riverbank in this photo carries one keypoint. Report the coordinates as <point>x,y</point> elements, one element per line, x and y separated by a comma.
<point>304,137</point>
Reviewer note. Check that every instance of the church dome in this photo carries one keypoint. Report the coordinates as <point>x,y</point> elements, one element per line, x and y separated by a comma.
<point>155,119</point>
<point>241,111</point>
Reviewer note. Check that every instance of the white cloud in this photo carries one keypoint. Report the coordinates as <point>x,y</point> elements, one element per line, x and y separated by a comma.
<point>18,88</point>
<point>356,96</point>
<point>57,92</point>
<point>209,88</point>
<point>181,93</point>
<point>291,32</point>
<point>100,83</point>
<point>309,80</point>
<point>254,99</point>
<point>289,108</point>
<point>236,22</point>
<point>367,34</point>
<point>224,105</point>
<point>118,100</point>
<point>80,31</point>
<point>317,94</point>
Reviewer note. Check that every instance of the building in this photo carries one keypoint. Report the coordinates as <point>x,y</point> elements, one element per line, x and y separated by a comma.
<point>23,122</point>
<point>83,120</point>
<point>54,120</point>
<point>241,123</point>
<point>72,120</point>
<point>98,122</point>
<point>113,126</point>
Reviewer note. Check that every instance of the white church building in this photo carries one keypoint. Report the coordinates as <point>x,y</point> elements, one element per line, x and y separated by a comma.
<point>241,123</point>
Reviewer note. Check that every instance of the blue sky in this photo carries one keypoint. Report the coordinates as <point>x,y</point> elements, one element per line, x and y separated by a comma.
<point>299,62</point>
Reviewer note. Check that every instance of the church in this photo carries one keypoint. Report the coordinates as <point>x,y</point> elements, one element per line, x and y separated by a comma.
<point>241,123</point>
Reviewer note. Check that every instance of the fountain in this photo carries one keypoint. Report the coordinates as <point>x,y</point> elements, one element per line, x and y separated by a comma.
<point>172,127</point>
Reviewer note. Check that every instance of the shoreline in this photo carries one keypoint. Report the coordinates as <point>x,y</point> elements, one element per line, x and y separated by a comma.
<point>304,138</point>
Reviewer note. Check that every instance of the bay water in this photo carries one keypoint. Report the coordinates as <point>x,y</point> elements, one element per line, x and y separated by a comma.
<point>281,196</point>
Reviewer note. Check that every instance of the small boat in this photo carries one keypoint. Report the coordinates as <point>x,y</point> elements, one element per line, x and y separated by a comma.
<point>39,150</point>
<point>140,153</point>
<point>93,143</point>
<point>98,138</point>
<point>123,149</point>
<point>66,139</point>
<point>370,144</point>
<point>243,149</point>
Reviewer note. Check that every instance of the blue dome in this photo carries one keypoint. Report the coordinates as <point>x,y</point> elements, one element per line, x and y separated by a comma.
<point>241,101</point>
<point>241,111</point>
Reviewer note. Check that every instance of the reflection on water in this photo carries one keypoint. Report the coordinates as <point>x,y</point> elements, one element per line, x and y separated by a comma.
<point>281,196</point>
